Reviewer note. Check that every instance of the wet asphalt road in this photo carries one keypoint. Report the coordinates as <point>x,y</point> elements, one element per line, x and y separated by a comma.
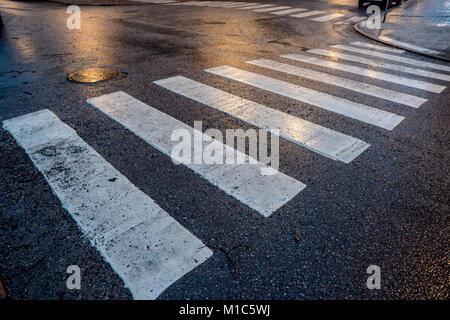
<point>388,207</point>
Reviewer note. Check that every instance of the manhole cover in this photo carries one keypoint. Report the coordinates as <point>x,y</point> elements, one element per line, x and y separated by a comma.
<point>93,75</point>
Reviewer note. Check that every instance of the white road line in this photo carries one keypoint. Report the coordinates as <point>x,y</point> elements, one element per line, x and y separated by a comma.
<point>381,64</point>
<point>327,142</point>
<point>366,72</point>
<point>307,14</point>
<point>239,4</point>
<point>244,182</point>
<point>374,116</point>
<point>221,3</point>
<point>328,17</point>
<point>288,11</point>
<point>350,20</point>
<point>408,45</point>
<point>414,62</point>
<point>357,86</point>
<point>257,7</point>
<point>190,3</point>
<point>146,247</point>
<point>193,3</point>
<point>271,9</point>
<point>374,46</point>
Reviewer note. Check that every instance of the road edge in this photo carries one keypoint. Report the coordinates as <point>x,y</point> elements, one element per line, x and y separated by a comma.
<point>359,30</point>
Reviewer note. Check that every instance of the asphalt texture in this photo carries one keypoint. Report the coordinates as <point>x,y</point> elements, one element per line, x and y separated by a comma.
<point>388,207</point>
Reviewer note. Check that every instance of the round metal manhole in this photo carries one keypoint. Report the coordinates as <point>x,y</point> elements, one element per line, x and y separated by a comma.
<point>92,75</point>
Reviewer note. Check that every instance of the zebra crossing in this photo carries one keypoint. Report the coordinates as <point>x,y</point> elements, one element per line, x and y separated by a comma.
<point>117,217</point>
<point>418,84</point>
<point>241,181</point>
<point>274,9</point>
<point>332,144</point>
<point>148,248</point>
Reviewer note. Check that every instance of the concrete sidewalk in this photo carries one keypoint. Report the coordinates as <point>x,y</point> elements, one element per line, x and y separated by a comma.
<point>419,26</point>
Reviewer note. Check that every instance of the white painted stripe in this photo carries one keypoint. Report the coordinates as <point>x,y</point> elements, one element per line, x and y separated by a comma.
<point>193,3</point>
<point>146,247</point>
<point>288,11</point>
<point>327,142</point>
<point>377,117</point>
<point>418,63</point>
<point>271,9</point>
<point>257,7</point>
<point>408,45</point>
<point>220,3</point>
<point>357,86</point>
<point>307,14</point>
<point>244,182</point>
<point>328,17</point>
<point>241,4</point>
<point>374,46</point>
<point>366,72</point>
<point>190,3</point>
<point>350,20</point>
<point>237,4</point>
<point>380,64</point>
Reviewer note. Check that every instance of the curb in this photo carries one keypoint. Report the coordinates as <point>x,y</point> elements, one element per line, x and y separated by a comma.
<point>359,30</point>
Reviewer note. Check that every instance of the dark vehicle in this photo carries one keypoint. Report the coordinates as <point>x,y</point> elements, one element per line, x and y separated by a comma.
<point>380,3</point>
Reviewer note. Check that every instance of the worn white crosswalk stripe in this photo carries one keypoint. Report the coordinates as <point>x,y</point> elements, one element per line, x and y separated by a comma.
<point>381,64</point>
<point>237,4</point>
<point>220,4</point>
<point>271,9</point>
<point>328,17</point>
<point>245,182</point>
<point>307,14</point>
<point>366,72</point>
<point>327,142</point>
<point>377,47</point>
<point>357,86</point>
<point>288,11</point>
<point>146,247</point>
<point>189,3</point>
<point>240,4</point>
<point>257,7</point>
<point>408,45</point>
<point>414,62</point>
<point>357,111</point>
<point>350,20</point>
